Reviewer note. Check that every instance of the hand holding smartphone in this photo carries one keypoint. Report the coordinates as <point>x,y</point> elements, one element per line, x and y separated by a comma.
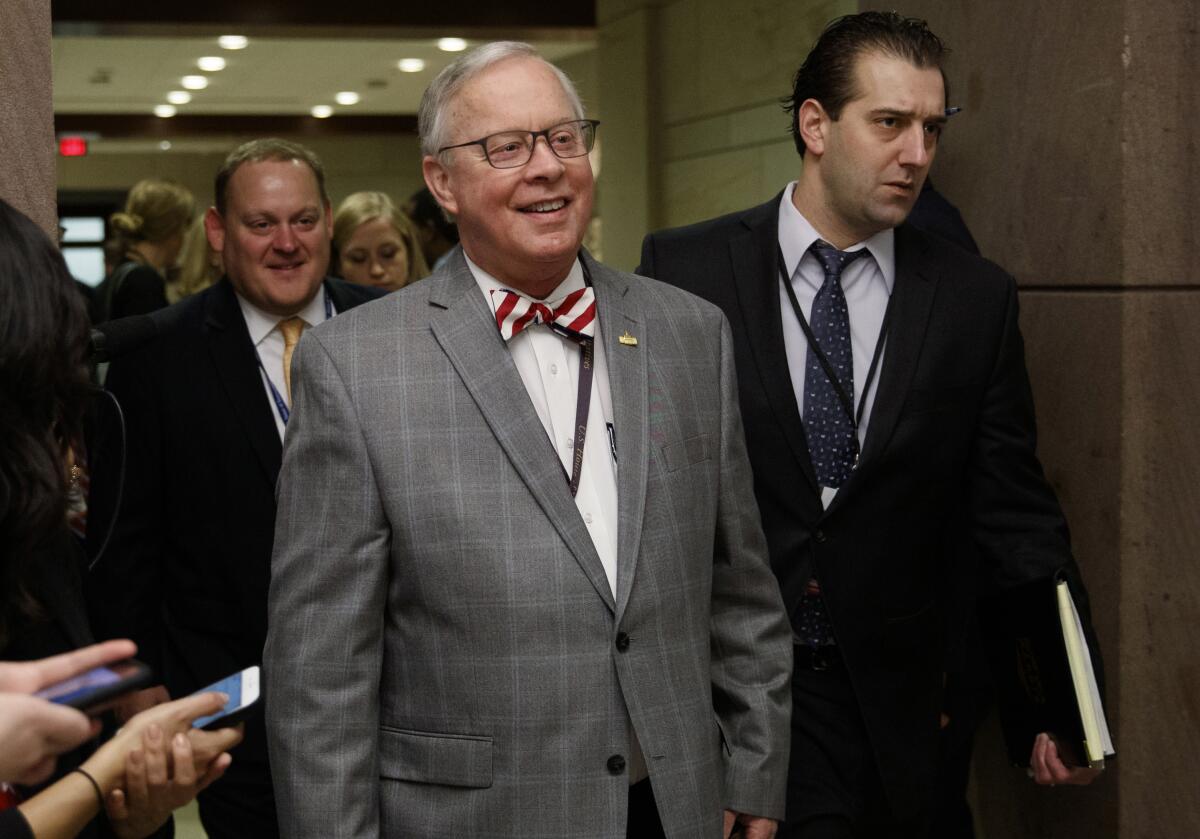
<point>243,691</point>
<point>95,690</point>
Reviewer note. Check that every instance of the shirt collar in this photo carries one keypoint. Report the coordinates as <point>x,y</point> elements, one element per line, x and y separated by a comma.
<point>487,283</point>
<point>796,236</point>
<point>260,324</point>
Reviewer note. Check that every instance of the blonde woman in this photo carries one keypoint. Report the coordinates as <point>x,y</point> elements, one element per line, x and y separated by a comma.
<point>199,265</point>
<point>376,243</point>
<point>150,234</point>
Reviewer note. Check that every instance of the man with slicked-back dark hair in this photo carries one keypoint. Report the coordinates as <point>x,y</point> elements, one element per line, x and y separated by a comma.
<point>889,422</point>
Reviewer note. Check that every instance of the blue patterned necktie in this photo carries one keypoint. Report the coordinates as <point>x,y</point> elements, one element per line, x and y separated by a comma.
<point>830,430</point>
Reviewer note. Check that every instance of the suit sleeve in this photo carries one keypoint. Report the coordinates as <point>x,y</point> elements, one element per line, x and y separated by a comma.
<point>751,636</point>
<point>124,590</point>
<point>1015,516</point>
<point>329,579</point>
<point>646,266</point>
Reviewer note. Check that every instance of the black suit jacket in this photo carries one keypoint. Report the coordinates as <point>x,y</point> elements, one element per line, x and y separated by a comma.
<point>186,572</point>
<point>949,453</point>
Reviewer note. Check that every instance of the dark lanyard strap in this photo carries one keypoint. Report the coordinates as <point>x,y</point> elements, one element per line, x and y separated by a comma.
<point>823,360</point>
<point>281,405</point>
<point>583,401</point>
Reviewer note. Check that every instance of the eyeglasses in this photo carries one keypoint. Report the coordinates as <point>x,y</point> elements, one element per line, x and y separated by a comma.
<point>511,149</point>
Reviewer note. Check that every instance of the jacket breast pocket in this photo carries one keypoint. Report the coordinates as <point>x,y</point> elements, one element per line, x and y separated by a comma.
<point>684,453</point>
<point>457,760</point>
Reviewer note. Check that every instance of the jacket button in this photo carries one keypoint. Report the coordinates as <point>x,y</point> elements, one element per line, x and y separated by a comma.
<point>622,642</point>
<point>616,764</point>
<point>820,536</point>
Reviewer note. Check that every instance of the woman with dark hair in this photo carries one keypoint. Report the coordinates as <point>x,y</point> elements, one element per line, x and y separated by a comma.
<point>43,391</point>
<point>150,234</point>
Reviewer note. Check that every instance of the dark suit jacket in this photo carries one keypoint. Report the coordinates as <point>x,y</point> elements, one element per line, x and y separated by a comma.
<point>187,570</point>
<point>949,451</point>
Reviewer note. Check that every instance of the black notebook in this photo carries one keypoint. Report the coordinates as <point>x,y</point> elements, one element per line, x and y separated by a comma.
<point>1043,671</point>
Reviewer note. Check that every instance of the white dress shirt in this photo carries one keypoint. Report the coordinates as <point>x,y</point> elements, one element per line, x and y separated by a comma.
<point>268,343</point>
<point>549,368</point>
<point>867,284</point>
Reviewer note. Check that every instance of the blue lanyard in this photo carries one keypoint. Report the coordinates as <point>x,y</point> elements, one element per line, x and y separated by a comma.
<point>280,403</point>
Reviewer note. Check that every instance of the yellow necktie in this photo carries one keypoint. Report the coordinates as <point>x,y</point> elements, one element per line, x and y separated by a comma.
<point>290,328</point>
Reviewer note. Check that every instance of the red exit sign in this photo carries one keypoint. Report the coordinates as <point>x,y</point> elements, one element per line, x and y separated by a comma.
<point>72,147</point>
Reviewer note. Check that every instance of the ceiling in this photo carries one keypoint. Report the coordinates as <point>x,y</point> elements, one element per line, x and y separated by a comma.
<point>131,74</point>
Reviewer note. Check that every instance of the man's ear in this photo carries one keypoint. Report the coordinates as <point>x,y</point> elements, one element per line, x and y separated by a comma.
<point>437,178</point>
<point>214,229</point>
<point>328,219</point>
<point>813,123</point>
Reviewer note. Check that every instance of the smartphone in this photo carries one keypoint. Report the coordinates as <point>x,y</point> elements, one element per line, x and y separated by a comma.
<point>242,690</point>
<point>95,690</point>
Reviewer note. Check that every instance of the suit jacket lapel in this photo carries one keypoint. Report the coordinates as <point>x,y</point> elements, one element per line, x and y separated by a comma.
<point>912,300</point>
<point>756,271</point>
<point>237,367</point>
<point>628,383</point>
<point>465,328</point>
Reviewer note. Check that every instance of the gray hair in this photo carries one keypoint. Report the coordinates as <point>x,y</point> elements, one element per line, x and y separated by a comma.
<point>431,119</point>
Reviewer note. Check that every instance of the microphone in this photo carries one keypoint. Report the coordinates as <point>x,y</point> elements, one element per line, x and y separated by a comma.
<point>117,337</point>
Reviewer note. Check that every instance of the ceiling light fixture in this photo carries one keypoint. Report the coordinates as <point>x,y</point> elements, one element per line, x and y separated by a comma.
<point>194,82</point>
<point>411,65</point>
<point>179,97</point>
<point>211,63</point>
<point>233,42</point>
<point>165,145</point>
<point>322,111</point>
<point>164,111</point>
<point>346,97</point>
<point>451,44</point>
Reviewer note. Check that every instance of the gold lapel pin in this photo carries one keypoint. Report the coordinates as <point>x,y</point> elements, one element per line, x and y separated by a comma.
<point>627,339</point>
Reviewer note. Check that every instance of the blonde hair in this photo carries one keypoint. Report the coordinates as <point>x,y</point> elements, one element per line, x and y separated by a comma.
<point>199,265</point>
<point>154,212</point>
<point>362,207</point>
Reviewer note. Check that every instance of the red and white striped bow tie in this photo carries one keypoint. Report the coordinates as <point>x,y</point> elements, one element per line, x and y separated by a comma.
<point>572,316</point>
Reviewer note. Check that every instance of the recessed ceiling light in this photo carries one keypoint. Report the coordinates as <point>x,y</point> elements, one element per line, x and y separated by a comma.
<point>179,97</point>
<point>165,145</point>
<point>164,111</point>
<point>211,63</point>
<point>233,42</point>
<point>322,111</point>
<point>451,44</point>
<point>194,82</point>
<point>411,65</point>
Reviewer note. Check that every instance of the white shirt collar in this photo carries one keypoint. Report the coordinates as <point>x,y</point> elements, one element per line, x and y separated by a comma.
<point>796,236</point>
<point>260,324</point>
<point>487,283</point>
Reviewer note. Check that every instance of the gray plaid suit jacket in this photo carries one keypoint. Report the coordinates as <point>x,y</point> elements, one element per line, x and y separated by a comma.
<point>442,657</point>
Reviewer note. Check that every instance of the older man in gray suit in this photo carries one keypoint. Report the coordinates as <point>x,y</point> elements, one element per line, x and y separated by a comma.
<point>519,585</point>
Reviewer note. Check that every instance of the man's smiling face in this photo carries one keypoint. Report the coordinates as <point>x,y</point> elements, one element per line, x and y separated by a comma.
<point>523,225</point>
<point>274,236</point>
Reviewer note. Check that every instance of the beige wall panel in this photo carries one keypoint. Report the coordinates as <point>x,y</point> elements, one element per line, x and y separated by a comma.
<point>698,188</point>
<point>1160,614</point>
<point>720,57</point>
<point>629,184</point>
<point>1035,159</point>
<point>27,125</point>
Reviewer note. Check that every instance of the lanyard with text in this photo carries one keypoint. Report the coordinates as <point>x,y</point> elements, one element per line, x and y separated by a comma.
<point>583,402</point>
<point>831,374</point>
<point>280,403</point>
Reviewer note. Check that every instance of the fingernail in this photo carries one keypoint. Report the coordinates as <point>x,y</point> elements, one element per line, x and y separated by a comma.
<point>155,732</point>
<point>180,740</point>
<point>224,697</point>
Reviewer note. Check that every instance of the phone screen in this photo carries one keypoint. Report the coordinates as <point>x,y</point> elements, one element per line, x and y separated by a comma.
<point>85,684</point>
<point>241,688</point>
